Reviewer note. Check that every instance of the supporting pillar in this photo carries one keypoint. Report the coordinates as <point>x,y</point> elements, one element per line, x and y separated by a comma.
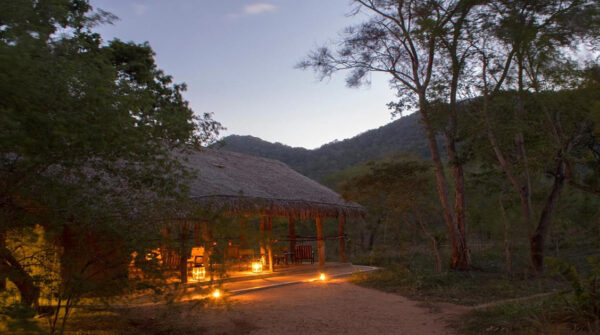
<point>270,242</point>
<point>196,234</point>
<point>320,241</point>
<point>262,236</point>
<point>243,242</point>
<point>292,234</point>
<point>341,221</point>
<point>183,270</point>
<point>165,247</point>
<point>207,238</point>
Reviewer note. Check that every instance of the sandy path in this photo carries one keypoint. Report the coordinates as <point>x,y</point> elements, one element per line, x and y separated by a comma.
<point>333,307</point>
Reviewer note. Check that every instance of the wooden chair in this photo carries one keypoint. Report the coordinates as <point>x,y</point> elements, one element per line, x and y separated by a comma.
<point>304,252</point>
<point>232,254</point>
<point>196,255</point>
<point>246,255</point>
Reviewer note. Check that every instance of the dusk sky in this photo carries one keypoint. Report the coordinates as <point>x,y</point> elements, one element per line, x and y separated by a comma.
<point>237,58</point>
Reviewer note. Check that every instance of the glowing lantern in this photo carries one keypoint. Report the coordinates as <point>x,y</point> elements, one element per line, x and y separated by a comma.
<point>198,273</point>
<point>257,267</point>
<point>216,294</point>
<point>322,276</point>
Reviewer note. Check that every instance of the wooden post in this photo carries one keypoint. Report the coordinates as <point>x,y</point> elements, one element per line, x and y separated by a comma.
<point>183,270</point>
<point>262,236</point>
<point>341,221</point>
<point>270,242</point>
<point>292,235</point>
<point>320,241</point>
<point>165,248</point>
<point>196,234</point>
<point>243,243</point>
<point>207,238</point>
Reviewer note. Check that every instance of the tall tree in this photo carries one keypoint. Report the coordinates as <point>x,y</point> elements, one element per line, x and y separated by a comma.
<point>396,190</point>
<point>87,128</point>
<point>404,39</point>
<point>524,46</point>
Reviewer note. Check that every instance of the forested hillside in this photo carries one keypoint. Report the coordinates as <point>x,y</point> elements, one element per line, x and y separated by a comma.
<point>403,135</point>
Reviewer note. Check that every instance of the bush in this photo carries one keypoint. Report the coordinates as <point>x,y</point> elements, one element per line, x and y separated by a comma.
<point>582,304</point>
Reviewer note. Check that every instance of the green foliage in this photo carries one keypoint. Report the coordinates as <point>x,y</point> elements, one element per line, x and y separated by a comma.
<point>583,308</point>
<point>17,317</point>
<point>91,133</point>
<point>417,281</point>
<point>404,135</point>
<point>527,317</point>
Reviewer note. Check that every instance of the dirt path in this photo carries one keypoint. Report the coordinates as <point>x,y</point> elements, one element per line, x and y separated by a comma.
<point>332,307</point>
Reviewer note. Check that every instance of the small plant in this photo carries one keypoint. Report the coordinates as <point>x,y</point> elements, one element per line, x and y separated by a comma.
<point>582,309</point>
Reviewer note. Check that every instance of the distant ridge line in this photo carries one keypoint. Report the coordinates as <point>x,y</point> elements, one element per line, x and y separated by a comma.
<point>403,135</point>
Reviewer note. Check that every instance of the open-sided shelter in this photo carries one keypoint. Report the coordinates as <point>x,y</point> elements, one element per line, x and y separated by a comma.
<point>246,185</point>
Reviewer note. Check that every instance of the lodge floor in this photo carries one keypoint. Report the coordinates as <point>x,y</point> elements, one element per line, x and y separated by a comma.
<point>292,275</point>
<point>241,282</point>
<point>244,273</point>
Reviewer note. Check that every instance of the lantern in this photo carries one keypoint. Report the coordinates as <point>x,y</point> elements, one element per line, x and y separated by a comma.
<point>198,273</point>
<point>257,267</point>
<point>216,294</point>
<point>322,276</point>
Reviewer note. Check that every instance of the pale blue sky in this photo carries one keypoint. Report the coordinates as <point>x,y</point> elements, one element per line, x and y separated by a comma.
<point>237,58</point>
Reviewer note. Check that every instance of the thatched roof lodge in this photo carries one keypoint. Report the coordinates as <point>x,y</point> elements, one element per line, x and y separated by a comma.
<point>250,186</point>
<point>247,184</point>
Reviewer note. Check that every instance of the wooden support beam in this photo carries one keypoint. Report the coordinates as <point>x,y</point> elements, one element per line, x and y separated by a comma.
<point>207,238</point>
<point>320,241</point>
<point>243,242</point>
<point>262,236</point>
<point>270,242</point>
<point>183,235</point>
<point>292,233</point>
<point>341,221</point>
<point>197,234</point>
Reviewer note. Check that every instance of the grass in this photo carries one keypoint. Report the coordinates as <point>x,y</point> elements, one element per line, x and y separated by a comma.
<point>164,318</point>
<point>544,315</point>
<point>561,311</point>
<point>463,288</point>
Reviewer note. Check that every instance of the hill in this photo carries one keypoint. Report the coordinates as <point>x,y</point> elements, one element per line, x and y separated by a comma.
<point>403,135</point>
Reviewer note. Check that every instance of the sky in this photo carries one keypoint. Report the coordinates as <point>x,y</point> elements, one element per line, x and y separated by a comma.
<point>237,58</point>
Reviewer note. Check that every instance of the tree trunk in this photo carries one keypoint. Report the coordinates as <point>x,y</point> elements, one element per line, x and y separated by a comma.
<point>522,189</point>
<point>458,260</point>
<point>506,224</point>
<point>372,235</point>
<point>434,245</point>
<point>14,271</point>
<point>537,240</point>
<point>463,260</point>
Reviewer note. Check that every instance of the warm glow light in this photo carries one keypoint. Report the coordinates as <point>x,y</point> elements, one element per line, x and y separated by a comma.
<point>216,294</point>
<point>198,273</point>
<point>322,276</point>
<point>257,267</point>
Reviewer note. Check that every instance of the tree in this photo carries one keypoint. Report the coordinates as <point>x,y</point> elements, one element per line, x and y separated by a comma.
<point>406,39</point>
<point>524,46</point>
<point>89,130</point>
<point>397,189</point>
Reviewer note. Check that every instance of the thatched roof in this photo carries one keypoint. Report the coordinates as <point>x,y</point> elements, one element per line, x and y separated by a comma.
<point>249,184</point>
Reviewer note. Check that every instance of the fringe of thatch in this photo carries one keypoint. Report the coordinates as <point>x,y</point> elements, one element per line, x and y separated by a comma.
<point>302,209</point>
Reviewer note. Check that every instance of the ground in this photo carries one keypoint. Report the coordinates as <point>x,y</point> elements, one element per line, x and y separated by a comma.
<point>334,306</point>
